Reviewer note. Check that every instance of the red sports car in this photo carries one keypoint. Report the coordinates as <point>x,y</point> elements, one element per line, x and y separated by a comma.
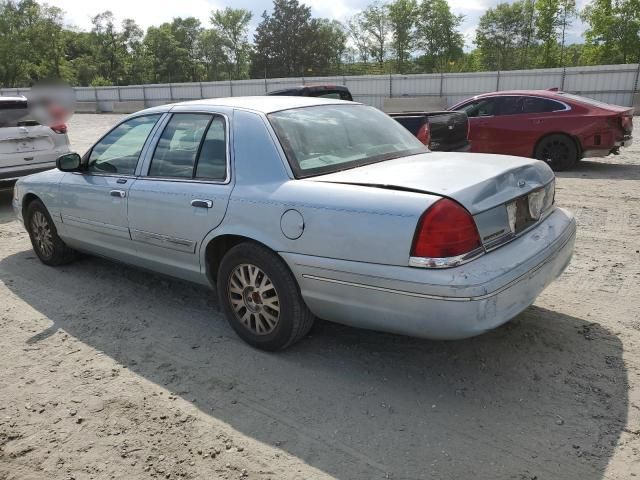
<point>557,127</point>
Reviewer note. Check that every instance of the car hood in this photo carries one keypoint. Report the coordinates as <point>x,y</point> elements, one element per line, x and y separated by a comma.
<point>477,181</point>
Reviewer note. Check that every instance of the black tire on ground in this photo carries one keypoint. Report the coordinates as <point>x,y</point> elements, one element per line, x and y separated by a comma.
<point>558,150</point>
<point>49,247</point>
<point>261,298</point>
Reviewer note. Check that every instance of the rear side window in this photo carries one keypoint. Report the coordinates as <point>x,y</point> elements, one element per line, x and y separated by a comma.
<point>192,145</point>
<point>541,105</point>
<point>510,105</point>
<point>118,152</point>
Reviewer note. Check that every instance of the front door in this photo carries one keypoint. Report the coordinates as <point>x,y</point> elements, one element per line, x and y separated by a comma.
<point>94,202</point>
<point>183,194</point>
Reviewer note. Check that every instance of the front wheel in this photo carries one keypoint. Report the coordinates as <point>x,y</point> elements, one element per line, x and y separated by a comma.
<point>559,151</point>
<point>49,247</point>
<point>261,299</point>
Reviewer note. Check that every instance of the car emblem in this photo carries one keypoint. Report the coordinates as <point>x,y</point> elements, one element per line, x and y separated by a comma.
<point>521,183</point>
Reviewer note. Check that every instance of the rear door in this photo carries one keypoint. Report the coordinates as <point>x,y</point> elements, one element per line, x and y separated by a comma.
<point>94,202</point>
<point>182,193</point>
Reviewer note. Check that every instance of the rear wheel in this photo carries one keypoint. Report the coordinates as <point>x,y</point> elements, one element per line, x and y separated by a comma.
<point>261,298</point>
<point>49,247</point>
<point>559,151</point>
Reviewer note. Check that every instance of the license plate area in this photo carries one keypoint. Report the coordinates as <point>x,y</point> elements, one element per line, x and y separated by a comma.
<point>519,215</point>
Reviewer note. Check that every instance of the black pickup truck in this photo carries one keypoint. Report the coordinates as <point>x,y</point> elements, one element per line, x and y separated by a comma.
<point>440,131</point>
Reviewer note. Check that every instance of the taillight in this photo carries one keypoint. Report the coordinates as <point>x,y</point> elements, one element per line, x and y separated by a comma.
<point>60,128</point>
<point>446,233</point>
<point>424,135</point>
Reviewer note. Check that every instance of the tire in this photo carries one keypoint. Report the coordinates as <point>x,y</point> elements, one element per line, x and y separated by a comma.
<point>261,299</point>
<point>559,151</point>
<point>49,247</point>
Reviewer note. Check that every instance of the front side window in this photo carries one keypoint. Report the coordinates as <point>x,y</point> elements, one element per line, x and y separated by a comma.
<point>192,145</point>
<point>328,138</point>
<point>484,107</point>
<point>118,152</point>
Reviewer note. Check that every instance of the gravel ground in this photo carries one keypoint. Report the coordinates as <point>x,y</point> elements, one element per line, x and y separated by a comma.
<point>110,372</point>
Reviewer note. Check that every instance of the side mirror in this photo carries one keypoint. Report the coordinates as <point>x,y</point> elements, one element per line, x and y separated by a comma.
<point>69,162</point>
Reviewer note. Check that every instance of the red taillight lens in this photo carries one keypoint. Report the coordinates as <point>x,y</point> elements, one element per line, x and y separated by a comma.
<point>61,128</point>
<point>424,135</point>
<point>446,229</point>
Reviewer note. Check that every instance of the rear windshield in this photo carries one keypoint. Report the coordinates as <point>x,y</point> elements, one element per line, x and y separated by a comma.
<point>329,138</point>
<point>588,101</point>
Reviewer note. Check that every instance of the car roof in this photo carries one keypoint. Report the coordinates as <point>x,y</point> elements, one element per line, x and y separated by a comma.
<point>262,104</point>
<point>536,93</point>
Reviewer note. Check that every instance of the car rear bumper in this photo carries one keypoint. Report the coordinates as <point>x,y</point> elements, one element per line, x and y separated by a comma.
<point>440,304</point>
<point>11,175</point>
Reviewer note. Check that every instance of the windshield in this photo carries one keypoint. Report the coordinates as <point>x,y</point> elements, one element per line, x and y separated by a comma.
<point>328,138</point>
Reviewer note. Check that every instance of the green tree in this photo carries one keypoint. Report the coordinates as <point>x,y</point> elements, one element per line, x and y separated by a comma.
<point>375,23</point>
<point>502,34</point>
<point>552,17</point>
<point>167,57</point>
<point>187,33</point>
<point>232,25</point>
<point>32,43</point>
<point>613,33</point>
<point>438,35</point>
<point>402,20</point>
<point>359,36</point>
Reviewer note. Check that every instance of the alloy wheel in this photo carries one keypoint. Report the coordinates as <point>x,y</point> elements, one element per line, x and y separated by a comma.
<point>556,151</point>
<point>254,299</point>
<point>41,231</point>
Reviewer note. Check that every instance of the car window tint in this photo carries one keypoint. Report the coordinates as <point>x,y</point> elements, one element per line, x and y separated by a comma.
<point>510,105</point>
<point>212,161</point>
<point>485,107</point>
<point>118,151</point>
<point>335,95</point>
<point>541,105</point>
<point>177,149</point>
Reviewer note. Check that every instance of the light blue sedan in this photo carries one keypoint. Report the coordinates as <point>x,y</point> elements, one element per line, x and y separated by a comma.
<point>297,208</point>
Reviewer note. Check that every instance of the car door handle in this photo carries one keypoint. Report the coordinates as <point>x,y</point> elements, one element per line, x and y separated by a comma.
<point>118,193</point>
<point>201,203</point>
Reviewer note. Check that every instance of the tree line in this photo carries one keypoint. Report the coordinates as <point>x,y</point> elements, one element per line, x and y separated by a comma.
<point>400,36</point>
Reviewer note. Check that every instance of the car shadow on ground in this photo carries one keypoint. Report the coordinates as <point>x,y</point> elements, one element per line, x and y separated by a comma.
<point>602,169</point>
<point>542,397</point>
<point>6,212</point>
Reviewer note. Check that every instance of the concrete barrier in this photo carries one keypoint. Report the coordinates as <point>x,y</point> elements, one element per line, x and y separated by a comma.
<point>86,107</point>
<point>155,103</point>
<point>128,106</point>
<point>414,104</point>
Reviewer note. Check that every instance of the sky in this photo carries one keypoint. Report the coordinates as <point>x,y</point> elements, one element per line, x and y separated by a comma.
<point>153,12</point>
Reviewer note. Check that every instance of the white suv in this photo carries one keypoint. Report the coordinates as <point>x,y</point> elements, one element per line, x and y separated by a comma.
<point>27,147</point>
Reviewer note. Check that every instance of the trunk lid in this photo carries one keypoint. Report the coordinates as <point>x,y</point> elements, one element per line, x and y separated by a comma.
<point>506,195</point>
<point>479,182</point>
<point>19,144</point>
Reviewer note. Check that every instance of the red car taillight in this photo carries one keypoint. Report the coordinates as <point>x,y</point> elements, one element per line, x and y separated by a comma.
<point>445,230</point>
<point>424,135</point>
<point>61,128</point>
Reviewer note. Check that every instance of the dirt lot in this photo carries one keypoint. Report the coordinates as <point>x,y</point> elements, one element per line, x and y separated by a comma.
<point>109,372</point>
